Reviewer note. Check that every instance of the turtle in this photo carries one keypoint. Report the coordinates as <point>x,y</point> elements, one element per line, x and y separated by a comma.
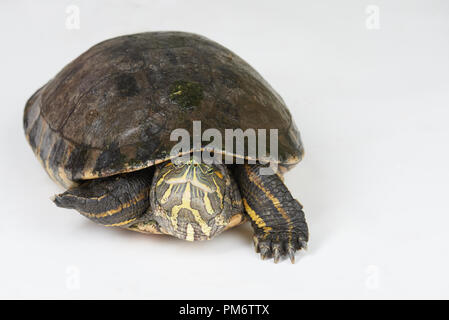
<point>102,129</point>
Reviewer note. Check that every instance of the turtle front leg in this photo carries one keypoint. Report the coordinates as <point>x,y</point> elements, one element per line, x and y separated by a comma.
<point>117,201</point>
<point>277,218</point>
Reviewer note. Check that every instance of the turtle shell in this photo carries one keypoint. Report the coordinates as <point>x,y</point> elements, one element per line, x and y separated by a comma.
<point>113,108</point>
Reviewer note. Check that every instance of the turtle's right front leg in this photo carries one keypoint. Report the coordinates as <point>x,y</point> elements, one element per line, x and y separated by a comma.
<point>117,201</point>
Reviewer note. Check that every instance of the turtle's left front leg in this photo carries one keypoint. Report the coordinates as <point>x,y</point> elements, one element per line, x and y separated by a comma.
<point>277,218</point>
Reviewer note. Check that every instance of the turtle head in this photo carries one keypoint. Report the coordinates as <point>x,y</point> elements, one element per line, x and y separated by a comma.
<point>192,200</point>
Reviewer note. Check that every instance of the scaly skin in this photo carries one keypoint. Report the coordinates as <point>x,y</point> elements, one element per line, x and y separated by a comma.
<point>277,218</point>
<point>117,201</point>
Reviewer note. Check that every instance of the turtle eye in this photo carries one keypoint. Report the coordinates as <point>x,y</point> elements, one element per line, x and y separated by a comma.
<point>178,163</point>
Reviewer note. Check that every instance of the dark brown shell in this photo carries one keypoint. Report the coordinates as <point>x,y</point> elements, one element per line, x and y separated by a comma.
<point>113,108</point>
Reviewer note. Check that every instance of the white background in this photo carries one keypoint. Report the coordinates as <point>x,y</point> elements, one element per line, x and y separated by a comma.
<point>373,109</point>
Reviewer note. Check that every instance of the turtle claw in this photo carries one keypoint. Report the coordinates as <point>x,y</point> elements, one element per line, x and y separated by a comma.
<point>277,246</point>
<point>303,244</point>
<point>265,252</point>
<point>276,254</point>
<point>291,254</point>
<point>278,251</point>
<point>256,244</point>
